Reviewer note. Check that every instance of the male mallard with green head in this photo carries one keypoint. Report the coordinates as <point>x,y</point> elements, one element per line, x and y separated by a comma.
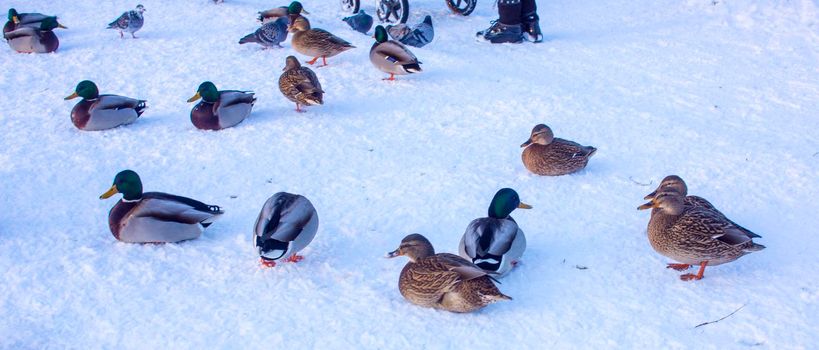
<point>286,225</point>
<point>42,39</point>
<point>294,9</point>
<point>220,109</point>
<point>392,57</point>
<point>100,112</point>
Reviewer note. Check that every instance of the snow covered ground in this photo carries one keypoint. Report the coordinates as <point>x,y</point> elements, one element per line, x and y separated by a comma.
<point>724,93</point>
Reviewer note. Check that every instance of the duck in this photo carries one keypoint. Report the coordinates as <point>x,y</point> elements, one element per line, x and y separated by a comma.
<point>315,42</point>
<point>418,36</point>
<point>693,235</point>
<point>270,34</point>
<point>286,224</point>
<point>545,154</point>
<point>443,281</point>
<point>300,84</point>
<point>220,109</point>
<point>155,217</point>
<point>295,8</point>
<point>129,21</point>
<point>360,22</point>
<point>100,112</point>
<point>392,57</point>
<point>495,243</point>
<point>34,40</point>
<point>674,183</point>
<point>33,20</point>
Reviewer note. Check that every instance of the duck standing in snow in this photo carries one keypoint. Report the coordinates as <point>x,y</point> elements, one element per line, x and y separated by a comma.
<point>220,109</point>
<point>294,9</point>
<point>693,235</point>
<point>417,36</point>
<point>544,154</point>
<point>33,20</point>
<point>443,281</point>
<point>300,84</point>
<point>25,39</point>
<point>316,43</point>
<point>391,57</point>
<point>100,112</point>
<point>286,225</point>
<point>270,34</point>
<point>155,217</point>
<point>360,22</point>
<point>496,243</point>
<point>129,21</point>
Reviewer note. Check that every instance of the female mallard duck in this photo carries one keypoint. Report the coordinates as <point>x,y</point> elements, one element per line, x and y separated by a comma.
<point>392,57</point>
<point>100,112</point>
<point>155,217</point>
<point>34,20</point>
<point>220,109</point>
<point>693,235</point>
<point>548,155</point>
<point>300,85</point>
<point>674,183</point>
<point>294,9</point>
<point>443,281</point>
<point>315,42</point>
<point>34,40</point>
<point>495,243</point>
<point>286,224</point>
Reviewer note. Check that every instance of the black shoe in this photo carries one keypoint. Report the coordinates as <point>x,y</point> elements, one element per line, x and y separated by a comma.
<point>502,33</point>
<point>531,26</point>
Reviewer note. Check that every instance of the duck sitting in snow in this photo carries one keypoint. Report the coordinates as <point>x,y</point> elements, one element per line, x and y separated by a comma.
<point>694,235</point>
<point>300,84</point>
<point>129,21</point>
<point>442,281</point>
<point>417,36</point>
<point>286,225</point>
<point>33,20</point>
<point>496,243</point>
<point>26,39</point>
<point>100,112</point>
<point>391,57</point>
<point>360,22</point>
<point>544,154</point>
<point>316,43</point>
<point>220,109</point>
<point>294,9</point>
<point>155,217</point>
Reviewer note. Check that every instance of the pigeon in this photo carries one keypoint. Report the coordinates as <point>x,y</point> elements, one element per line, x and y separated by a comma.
<point>360,22</point>
<point>269,34</point>
<point>418,36</point>
<point>130,21</point>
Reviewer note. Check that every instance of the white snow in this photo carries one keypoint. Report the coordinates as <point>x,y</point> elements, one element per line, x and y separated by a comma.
<point>724,93</point>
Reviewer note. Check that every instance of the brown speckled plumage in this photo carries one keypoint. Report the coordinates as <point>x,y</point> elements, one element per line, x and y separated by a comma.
<point>300,84</point>
<point>315,42</point>
<point>443,281</point>
<point>547,155</point>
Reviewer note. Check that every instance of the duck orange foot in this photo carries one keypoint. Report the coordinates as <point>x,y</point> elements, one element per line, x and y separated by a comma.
<point>698,276</point>
<point>678,267</point>
<point>267,263</point>
<point>295,258</point>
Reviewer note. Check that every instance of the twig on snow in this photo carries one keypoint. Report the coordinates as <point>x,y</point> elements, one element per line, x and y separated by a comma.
<point>729,315</point>
<point>581,267</point>
<point>640,183</point>
<point>815,154</point>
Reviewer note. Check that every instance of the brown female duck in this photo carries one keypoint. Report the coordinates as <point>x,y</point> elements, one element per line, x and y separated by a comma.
<point>300,84</point>
<point>315,42</point>
<point>544,154</point>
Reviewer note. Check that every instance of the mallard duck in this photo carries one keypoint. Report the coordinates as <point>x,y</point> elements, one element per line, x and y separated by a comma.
<point>100,112</point>
<point>545,154</point>
<point>495,243</point>
<point>693,235</point>
<point>34,40</point>
<point>315,42</point>
<point>155,217</point>
<point>360,22</point>
<point>442,281</point>
<point>269,34</point>
<point>129,21</point>
<point>295,8</point>
<point>32,20</point>
<point>285,226</point>
<point>417,36</point>
<point>392,57</point>
<point>674,183</point>
<point>220,109</point>
<point>300,85</point>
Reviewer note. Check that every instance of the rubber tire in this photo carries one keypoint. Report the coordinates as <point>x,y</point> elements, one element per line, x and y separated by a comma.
<point>404,14</point>
<point>356,5</point>
<point>470,6</point>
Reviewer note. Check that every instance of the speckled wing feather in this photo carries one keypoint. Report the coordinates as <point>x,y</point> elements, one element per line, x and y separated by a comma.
<point>301,85</point>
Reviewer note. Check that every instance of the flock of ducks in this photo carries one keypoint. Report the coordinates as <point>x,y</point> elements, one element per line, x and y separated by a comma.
<point>687,229</point>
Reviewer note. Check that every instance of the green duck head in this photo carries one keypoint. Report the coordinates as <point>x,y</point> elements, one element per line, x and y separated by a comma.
<point>296,8</point>
<point>85,89</point>
<point>126,182</point>
<point>504,202</point>
<point>13,16</point>
<point>207,92</point>
<point>380,34</point>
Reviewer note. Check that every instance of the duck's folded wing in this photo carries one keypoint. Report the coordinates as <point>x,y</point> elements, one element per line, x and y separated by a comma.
<point>284,217</point>
<point>489,236</point>
<point>432,279</point>
<point>118,102</point>
<point>169,207</point>
<point>395,52</point>
<point>20,32</point>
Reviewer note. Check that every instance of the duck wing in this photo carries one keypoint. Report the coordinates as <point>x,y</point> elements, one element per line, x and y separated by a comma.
<point>486,237</point>
<point>284,217</point>
<point>168,207</point>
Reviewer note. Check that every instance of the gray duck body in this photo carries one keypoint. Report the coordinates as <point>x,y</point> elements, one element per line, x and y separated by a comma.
<point>286,224</point>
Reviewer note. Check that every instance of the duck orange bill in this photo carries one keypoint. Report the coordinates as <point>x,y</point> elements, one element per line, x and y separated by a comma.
<point>195,97</point>
<point>111,191</point>
<point>524,206</point>
<point>527,143</point>
<point>650,195</point>
<point>646,206</point>
<point>394,253</point>
<point>61,26</point>
<point>72,96</point>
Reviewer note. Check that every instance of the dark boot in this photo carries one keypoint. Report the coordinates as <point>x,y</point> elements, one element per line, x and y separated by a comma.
<point>507,28</point>
<point>531,28</point>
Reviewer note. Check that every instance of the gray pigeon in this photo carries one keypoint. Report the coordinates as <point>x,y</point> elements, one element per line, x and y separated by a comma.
<point>269,34</point>
<point>360,22</point>
<point>418,36</point>
<point>130,21</point>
